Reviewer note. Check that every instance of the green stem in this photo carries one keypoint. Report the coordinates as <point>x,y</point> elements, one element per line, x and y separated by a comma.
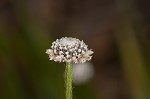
<point>68,81</point>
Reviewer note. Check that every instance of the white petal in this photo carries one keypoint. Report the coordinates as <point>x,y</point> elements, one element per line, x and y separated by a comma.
<point>49,51</point>
<point>89,52</point>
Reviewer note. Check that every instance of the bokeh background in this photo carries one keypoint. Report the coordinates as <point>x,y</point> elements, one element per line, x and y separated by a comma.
<point>118,31</point>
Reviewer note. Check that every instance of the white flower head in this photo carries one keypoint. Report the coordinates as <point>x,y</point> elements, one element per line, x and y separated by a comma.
<point>68,49</point>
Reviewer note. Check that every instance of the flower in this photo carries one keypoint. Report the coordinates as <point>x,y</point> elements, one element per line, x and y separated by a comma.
<point>68,49</point>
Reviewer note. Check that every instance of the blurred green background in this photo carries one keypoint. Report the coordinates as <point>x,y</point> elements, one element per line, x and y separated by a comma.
<point>118,31</point>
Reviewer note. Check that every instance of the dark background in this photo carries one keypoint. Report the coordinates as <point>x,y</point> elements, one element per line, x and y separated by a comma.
<point>118,31</point>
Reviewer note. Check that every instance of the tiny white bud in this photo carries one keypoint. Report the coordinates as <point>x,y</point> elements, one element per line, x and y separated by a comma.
<point>79,50</point>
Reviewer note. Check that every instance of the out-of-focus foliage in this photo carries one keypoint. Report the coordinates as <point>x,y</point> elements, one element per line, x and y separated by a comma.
<point>116,30</point>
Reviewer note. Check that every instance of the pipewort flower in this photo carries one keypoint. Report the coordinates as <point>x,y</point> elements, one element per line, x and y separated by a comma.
<point>69,50</point>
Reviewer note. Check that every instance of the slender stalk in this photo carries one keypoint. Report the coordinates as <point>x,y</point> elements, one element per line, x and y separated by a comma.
<point>68,81</point>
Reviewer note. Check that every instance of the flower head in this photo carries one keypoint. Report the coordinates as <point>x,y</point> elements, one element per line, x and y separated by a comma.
<point>68,49</point>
